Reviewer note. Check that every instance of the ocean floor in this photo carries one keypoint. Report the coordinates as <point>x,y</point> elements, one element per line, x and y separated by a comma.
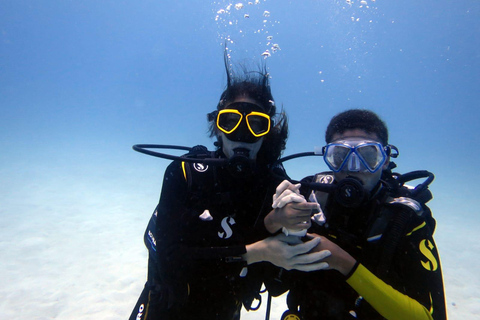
<point>71,244</point>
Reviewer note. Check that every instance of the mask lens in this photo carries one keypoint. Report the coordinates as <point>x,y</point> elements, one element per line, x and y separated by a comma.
<point>228,120</point>
<point>335,156</point>
<point>369,155</point>
<point>258,123</point>
<point>372,155</point>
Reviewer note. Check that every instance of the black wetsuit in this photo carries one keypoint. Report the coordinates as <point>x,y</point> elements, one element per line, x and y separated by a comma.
<point>204,219</point>
<point>397,263</point>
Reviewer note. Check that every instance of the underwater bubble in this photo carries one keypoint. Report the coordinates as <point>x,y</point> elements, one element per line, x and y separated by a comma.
<point>266,54</point>
<point>269,38</point>
<point>266,13</point>
<point>220,11</point>
<point>275,47</point>
<point>257,1</point>
<point>246,15</point>
<point>250,3</point>
<point>239,6</point>
<point>363,2</point>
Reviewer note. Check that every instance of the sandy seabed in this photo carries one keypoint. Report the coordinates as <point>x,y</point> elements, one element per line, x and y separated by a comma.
<point>71,247</point>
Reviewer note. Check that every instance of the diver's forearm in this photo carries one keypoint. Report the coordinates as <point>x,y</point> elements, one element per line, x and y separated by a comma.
<point>387,301</point>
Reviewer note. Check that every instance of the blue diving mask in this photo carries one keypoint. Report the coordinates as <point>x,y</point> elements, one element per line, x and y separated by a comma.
<point>356,155</point>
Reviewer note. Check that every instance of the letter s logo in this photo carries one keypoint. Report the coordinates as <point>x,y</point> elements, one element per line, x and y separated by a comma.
<point>348,192</point>
<point>227,231</point>
<point>426,247</point>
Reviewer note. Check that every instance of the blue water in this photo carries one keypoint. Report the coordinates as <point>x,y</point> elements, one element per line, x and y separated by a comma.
<point>82,81</point>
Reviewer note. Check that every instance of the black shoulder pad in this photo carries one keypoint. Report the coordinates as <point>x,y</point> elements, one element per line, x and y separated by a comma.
<point>198,175</point>
<point>279,170</point>
<point>199,149</point>
<point>409,203</point>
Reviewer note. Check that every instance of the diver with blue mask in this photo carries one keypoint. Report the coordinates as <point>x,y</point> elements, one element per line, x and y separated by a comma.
<point>384,263</point>
<point>357,163</point>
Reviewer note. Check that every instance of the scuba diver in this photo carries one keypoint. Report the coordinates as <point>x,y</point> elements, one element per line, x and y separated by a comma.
<point>384,263</point>
<point>209,221</point>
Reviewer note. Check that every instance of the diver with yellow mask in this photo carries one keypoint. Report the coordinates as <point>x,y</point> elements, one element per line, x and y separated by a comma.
<point>210,217</point>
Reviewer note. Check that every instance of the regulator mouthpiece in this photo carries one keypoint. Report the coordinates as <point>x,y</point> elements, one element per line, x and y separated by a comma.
<point>240,164</point>
<point>350,192</point>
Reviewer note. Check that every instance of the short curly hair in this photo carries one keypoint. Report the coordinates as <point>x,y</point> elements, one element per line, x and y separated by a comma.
<point>362,119</point>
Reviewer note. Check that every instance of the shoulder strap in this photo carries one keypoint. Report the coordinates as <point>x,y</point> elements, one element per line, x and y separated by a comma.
<point>412,204</point>
<point>406,209</point>
<point>197,176</point>
<point>324,178</point>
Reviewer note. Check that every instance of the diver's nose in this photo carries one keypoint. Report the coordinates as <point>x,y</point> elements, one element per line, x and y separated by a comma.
<point>242,133</point>
<point>353,163</point>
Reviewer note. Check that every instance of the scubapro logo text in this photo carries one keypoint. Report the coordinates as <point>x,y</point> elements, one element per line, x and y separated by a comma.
<point>152,238</point>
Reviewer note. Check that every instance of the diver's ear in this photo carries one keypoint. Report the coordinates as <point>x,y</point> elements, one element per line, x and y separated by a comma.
<point>392,152</point>
<point>386,164</point>
<point>219,142</point>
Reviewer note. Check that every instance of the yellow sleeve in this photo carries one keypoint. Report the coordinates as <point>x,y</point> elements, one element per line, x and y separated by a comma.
<point>387,301</point>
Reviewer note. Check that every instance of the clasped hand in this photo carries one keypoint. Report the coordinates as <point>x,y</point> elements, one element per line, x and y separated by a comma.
<point>338,259</point>
<point>291,211</point>
<point>285,252</point>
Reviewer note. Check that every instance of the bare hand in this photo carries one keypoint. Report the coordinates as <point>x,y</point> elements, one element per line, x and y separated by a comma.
<point>291,209</point>
<point>293,216</point>
<point>287,192</point>
<point>339,259</point>
<point>281,253</point>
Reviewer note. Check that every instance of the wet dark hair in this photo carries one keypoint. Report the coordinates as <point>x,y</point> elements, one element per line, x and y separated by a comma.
<point>365,120</point>
<point>255,85</point>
